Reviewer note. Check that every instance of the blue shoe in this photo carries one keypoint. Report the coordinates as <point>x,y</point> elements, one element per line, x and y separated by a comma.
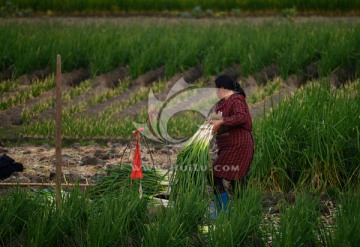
<point>222,204</point>
<point>213,216</point>
<point>222,201</point>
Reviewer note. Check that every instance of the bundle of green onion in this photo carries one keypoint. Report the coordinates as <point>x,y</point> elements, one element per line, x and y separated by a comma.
<point>193,163</point>
<point>119,179</point>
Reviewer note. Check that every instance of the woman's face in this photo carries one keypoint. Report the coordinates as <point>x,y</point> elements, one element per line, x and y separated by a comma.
<point>219,92</point>
<point>222,92</point>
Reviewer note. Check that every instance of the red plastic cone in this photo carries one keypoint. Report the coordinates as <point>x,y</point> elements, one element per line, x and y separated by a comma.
<point>136,172</point>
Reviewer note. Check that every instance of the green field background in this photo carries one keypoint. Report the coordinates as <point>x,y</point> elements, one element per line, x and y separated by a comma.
<point>161,5</point>
<point>104,46</point>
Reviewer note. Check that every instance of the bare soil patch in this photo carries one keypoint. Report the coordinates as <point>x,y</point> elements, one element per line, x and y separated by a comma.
<point>83,164</point>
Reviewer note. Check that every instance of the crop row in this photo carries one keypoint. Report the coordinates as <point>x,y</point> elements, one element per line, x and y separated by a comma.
<point>102,124</point>
<point>165,5</point>
<point>330,46</point>
<point>106,124</point>
<point>7,86</point>
<point>29,113</point>
<point>21,96</point>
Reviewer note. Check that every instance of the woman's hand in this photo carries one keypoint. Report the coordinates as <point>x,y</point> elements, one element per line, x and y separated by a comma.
<point>217,124</point>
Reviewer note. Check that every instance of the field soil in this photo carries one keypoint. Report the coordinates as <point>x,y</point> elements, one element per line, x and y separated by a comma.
<point>81,163</point>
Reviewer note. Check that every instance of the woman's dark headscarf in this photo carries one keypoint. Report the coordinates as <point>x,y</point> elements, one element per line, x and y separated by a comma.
<point>229,83</point>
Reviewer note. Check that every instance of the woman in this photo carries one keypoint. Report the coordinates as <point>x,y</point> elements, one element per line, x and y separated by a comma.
<point>233,137</point>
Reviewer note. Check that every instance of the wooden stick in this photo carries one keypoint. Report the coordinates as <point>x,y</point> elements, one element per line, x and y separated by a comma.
<point>58,130</point>
<point>45,184</point>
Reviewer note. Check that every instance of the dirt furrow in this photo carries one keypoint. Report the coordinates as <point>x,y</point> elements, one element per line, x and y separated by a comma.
<point>99,84</point>
<point>137,84</point>
<point>12,116</point>
<point>102,82</point>
<point>26,80</point>
<point>190,76</point>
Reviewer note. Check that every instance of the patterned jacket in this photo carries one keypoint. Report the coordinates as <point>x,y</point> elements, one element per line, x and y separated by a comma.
<point>234,139</point>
